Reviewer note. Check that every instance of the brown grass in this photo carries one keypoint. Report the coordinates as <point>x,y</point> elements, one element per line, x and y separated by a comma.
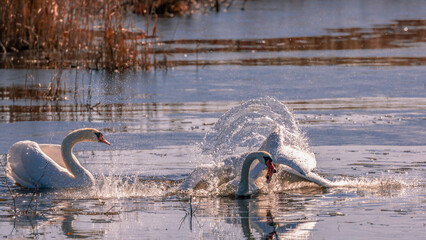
<point>62,34</point>
<point>89,34</point>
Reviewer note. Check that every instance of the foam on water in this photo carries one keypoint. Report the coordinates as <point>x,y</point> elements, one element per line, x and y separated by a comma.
<point>378,183</point>
<point>116,187</point>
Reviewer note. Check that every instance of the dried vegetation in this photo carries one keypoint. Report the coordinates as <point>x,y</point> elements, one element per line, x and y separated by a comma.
<point>89,34</point>
<point>61,34</point>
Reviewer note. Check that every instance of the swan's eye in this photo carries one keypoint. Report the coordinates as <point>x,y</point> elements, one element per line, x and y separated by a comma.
<point>101,138</point>
<point>98,135</point>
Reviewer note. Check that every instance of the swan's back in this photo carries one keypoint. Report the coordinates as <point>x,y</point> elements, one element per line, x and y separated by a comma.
<point>299,160</point>
<point>301,163</point>
<point>54,152</point>
<point>293,157</point>
<point>28,166</point>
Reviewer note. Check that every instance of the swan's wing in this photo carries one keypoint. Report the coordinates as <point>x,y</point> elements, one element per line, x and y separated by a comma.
<point>54,152</point>
<point>290,175</point>
<point>311,176</point>
<point>30,167</point>
<point>314,177</point>
<point>300,161</point>
<point>15,169</point>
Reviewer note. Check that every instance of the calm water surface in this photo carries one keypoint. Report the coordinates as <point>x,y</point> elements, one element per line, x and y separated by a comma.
<point>352,72</point>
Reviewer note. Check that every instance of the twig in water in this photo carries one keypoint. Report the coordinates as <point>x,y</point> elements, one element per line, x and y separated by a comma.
<point>34,196</point>
<point>229,4</point>
<point>110,213</point>
<point>10,190</point>
<point>191,214</point>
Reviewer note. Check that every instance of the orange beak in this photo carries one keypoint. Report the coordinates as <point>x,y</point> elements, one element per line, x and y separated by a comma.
<point>271,170</point>
<point>102,139</point>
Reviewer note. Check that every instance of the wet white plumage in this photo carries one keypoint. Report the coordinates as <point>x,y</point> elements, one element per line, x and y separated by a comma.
<point>34,165</point>
<point>293,163</point>
<point>292,160</point>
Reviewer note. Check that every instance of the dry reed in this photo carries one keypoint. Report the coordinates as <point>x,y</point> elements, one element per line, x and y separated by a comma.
<point>62,34</point>
<point>89,34</point>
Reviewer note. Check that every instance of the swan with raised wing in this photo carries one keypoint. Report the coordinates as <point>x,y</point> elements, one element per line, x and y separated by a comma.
<point>34,165</point>
<point>290,160</point>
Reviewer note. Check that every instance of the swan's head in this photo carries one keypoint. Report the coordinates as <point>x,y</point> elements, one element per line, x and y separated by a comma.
<point>101,138</point>
<point>263,158</point>
<point>90,135</point>
<point>266,159</point>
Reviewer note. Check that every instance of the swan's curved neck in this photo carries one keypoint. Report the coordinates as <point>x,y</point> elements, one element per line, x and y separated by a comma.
<point>243,186</point>
<point>70,160</point>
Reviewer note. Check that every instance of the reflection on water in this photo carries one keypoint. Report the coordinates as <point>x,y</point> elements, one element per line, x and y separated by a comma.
<point>37,213</point>
<point>400,34</point>
<point>309,61</point>
<point>54,111</point>
<point>36,92</point>
<point>107,218</point>
<point>257,219</point>
<point>320,50</point>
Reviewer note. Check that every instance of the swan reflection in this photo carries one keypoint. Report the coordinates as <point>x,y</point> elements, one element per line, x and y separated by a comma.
<point>34,217</point>
<point>258,220</point>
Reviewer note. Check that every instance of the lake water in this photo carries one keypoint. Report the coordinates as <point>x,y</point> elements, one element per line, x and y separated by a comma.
<point>352,73</point>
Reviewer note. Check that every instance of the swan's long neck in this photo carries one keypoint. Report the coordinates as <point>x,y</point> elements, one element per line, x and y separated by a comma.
<point>243,186</point>
<point>70,160</point>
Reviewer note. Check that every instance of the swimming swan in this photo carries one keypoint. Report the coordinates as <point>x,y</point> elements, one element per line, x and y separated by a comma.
<point>264,158</point>
<point>34,165</point>
<point>212,178</point>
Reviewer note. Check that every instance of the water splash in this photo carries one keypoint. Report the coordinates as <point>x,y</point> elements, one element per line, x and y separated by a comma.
<point>116,187</point>
<point>245,127</point>
<point>267,124</point>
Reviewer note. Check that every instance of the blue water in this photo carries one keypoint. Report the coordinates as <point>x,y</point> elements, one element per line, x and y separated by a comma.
<point>364,121</point>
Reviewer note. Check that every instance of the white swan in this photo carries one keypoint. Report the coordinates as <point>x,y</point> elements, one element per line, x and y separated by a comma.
<point>34,165</point>
<point>264,158</point>
<point>223,177</point>
<point>293,161</point>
